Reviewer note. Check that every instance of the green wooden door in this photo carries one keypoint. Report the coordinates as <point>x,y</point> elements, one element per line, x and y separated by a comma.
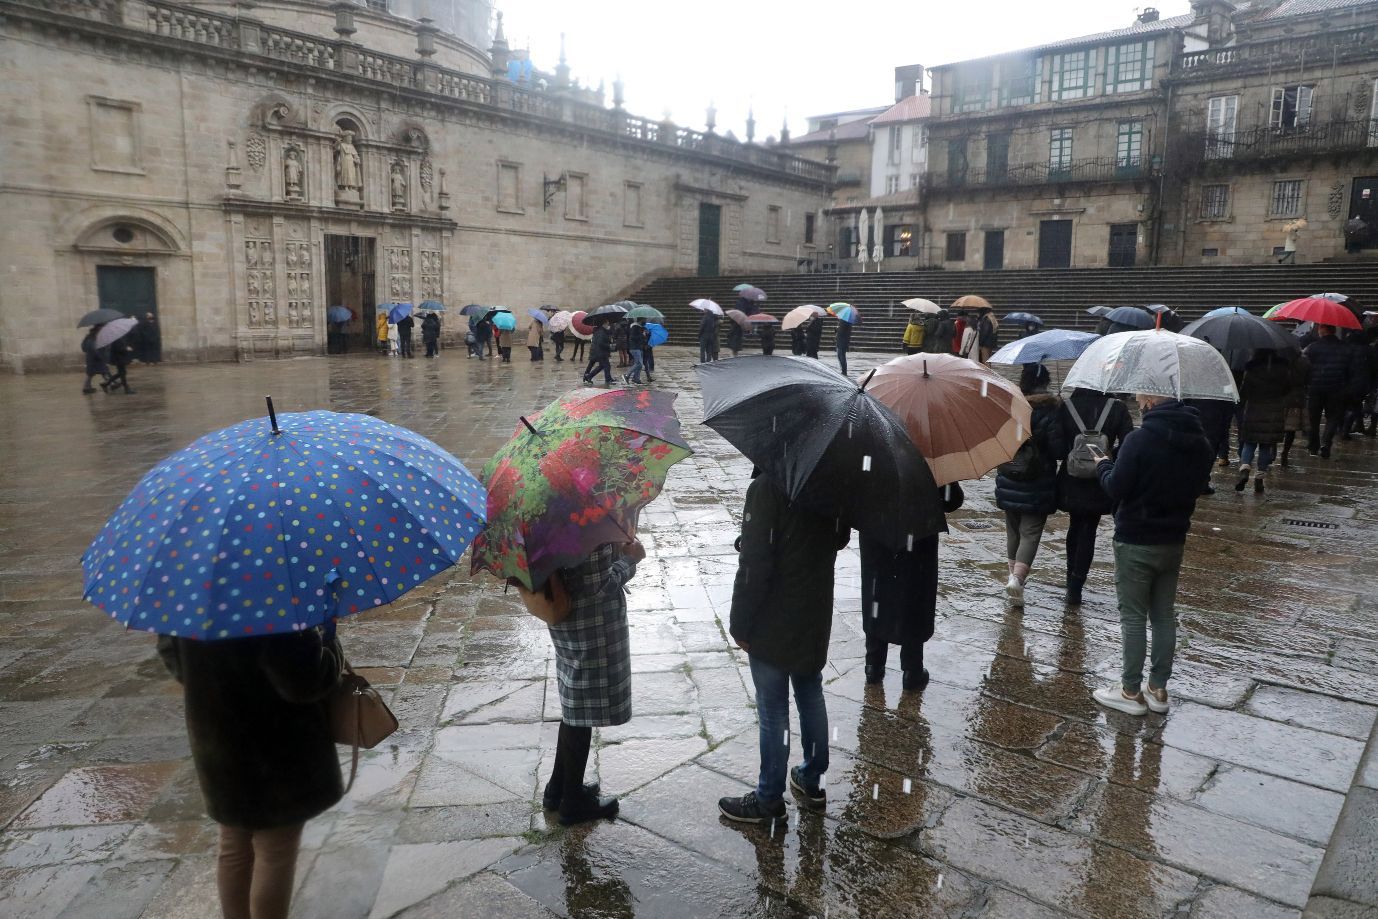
<point>129,290</point>
<point>710,233</point>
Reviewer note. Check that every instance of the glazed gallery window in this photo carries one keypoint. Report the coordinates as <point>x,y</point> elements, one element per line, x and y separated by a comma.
<point>957,161</point>
<point>1286,200</point>
<point>810,221</point>
<point>956,248</point>
<point>1018,81</point>
<point>631,204</point>
<point>1222,114</point>
<point>576,196</point>
<point>510,188</point>
<point>1291,108</point>
<point>997,156</point>
<point>917,144</point>
<point>971,88</point>
<point>1215,202</point>
<point>1074,75</point>
<point>1129,144</point>
<point>1059,151</point>
<point>1129,68</point>
<point>772,224</point>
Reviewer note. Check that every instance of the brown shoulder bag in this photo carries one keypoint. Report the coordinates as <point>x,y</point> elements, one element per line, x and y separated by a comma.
<point>358,717</point>
<point>551,604</point>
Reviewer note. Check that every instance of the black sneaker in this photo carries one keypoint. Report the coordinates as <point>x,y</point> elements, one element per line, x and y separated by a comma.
<point>814,800</point>
<point>589,807</point>
<point>1258,485</point>
<point>1243,478</point>
<point>550,800</point>
<point>749,809</point>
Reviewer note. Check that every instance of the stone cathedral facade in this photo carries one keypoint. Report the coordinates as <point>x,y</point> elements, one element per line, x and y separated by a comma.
<point>237,170</point>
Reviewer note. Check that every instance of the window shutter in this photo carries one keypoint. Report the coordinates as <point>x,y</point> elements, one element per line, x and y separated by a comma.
<point>1303,106</point>
<point>1275,116</point>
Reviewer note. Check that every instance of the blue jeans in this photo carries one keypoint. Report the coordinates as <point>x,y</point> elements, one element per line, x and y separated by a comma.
<point>635,373</point>
<point>1266,452</point>
<point>772,710</point>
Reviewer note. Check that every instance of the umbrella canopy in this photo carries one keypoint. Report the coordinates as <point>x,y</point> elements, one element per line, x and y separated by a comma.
<point>741,287</point>
<point>99,317</point>
<point>827,444</point>
<point>802,314</point>
<point>1153,362</point>
<point>740,318</point>
<point>1226,311</point>
<point>473,309</point>
<point>1240,332</point>
<point>1338,298</point>
<point>1100,312</point>
<point>613,312</point>
<point>845,312</point>
<point>761,317</point>
<point>1023,319</point>
<point>920,305</point>
<point>114,330</point>
<point>435,306</point>
<point>399,311</point>
<point>752,293</point>
<point>249,532</point>
<point>579,327</point>
<point>646,312</point>
<point>339,314</point>
<point>970,302</point>
<point>706,306</point>
<point>1166,317</point>
<point>538,316</point>
<point>656,334</point>
<point>505,321</point>
<point>560,321</point>
<point>965,419</point>
<point>575,477</point>
<point>1315,309</point>
<point>1131,317</point>
<point>1052,345</point>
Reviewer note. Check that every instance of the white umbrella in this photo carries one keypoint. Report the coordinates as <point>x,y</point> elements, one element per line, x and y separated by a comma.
<point>1154,362</point>
<point>920,305</point>
<point>800,315</point>
<point>706,306</point>
<point>115,330</point>
<point>878,250</point>
<point>863,228</point>
<point>561,320</point>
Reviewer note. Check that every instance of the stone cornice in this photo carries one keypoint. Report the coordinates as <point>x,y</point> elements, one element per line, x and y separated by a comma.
<point>242,205</point>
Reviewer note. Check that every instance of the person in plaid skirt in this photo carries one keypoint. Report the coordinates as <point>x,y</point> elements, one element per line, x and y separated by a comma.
<point>593,661</point>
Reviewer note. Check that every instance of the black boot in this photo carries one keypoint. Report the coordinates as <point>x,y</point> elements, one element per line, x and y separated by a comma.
<point>876,652</point>
<point>915,676</point>
<point>577,804</point>
<point>1074,585</point>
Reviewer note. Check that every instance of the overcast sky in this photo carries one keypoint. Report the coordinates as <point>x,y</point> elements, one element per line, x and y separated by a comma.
<point>795,58</point>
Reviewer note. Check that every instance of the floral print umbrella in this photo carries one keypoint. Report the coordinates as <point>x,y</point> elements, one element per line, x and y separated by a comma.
<point>576,477</point>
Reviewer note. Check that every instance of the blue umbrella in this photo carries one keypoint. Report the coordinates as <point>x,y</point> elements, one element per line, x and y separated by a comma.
<point>1023,319</point>
<point>656,334</point>
<point>1052,345</point>
<point>339,314</point>
<point>473,309</point>
<point>1226,311</point>
<point>435,306</point>
<point>399,311</point>
<point>505,321</point>
<point>254,529</point>
<point>537,315</point>
<point>1131,317</point>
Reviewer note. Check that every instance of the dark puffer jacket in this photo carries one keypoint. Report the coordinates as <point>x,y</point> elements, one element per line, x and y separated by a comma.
<point>1085,496</point>
<point>1161,470</point>
<point>1331,361</point>
<point>782,600</point>
<point>1263,393</point>
<point>258,724</point>
<point>1363,366</point>
<point>1038,495</point>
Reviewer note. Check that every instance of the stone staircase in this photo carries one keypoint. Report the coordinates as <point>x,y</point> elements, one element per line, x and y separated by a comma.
<point>1060,297</point>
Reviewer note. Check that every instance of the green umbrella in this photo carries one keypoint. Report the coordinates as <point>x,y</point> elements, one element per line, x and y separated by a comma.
<point>647,312</point>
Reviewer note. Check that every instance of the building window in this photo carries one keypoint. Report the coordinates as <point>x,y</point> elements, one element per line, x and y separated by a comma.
<point>971,88</point>
<point>914,179</point>
<point>1210,253</point>
<point>1291,108</point>
<point>917,144</point>
<point>1074,74</point>
<point>899,240</point>
<point>1059,152</point>
<point>846,242</point>
<point>957,161</point>
<point>1215,202</point>
<point>997,156</point>
<point>1286,199</point>
<point>896,137</point>
<point>576,196</point>
<point>1129,68</point>
<point>631,204</point>
<point>809,223</point>
<point>1129,145</point>
<point>510,188</point>
<point>1222,112</point>
<point>892,184</point>
<point>379,5</point>
<point>956,250</point>
<point>1018,81</point>
<point>772,224</point>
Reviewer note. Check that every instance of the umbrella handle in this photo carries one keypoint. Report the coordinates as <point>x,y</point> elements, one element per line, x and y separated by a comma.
<point>529,427</point>
<point>867,381</point>
<point>272,415</point>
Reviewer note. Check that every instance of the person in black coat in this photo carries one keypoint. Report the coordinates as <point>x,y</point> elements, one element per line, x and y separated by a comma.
<point>121,355</point>
<point>899,598</point>
<point>734,338</point>
<point>797,342</point>
<point>767,332</point>
<point>558,340</point>
<point>149,342</point>
<point>1264,389</point>
<point>1082,498</point>
<point>1331,364</point>
<point>483,335</point>
<point>813,337</point>
<point>843,341</point>
<point>95,359</point>
<point>600,355</point>
<point>405,326</point>
<point>1028,495</point>
<point>1363,373</point>
<point>708,338</point>
<point>938,333</point>
<point>782,612</point>
<point>258,720</point>
<point>430,334</point>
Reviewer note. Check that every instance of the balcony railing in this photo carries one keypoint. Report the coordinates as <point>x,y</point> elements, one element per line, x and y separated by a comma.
<point>247,36</point>
<point>1101,169</point>
<point>1270,142</point>
<point>1320,47</point>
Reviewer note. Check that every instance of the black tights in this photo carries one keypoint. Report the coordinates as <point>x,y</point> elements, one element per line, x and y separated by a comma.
<point>571,760</point>
<point>911,655</point>
<point>1081,545</point>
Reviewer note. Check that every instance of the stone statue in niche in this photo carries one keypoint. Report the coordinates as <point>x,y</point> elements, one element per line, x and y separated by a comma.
<point>398,185</point>
<point>347,173</point>
<point>293,172</point>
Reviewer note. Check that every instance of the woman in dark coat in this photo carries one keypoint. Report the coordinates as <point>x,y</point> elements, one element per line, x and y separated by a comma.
<point>899,599</point>
<point>260,733</point>
<point>1082,498</point>
<point>813,337</point>
<point>796,341</point>
<point>593,663</point>
<point>1029,495</point>
<point>938,332</point>
<point>708,337</point>
<point>734,338</point>
<point>1264,391</point>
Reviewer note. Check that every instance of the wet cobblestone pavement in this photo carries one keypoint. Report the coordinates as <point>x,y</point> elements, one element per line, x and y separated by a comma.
<point>1000,791</point>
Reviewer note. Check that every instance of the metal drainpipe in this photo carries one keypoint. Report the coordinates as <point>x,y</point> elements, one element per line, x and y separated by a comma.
<point>1162,181</point>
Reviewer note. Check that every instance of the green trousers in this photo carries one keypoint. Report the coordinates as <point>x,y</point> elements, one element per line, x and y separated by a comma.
<point>1146,584</point>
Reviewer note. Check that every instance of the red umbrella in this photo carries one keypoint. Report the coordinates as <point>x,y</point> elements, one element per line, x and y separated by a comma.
<point>1318,310</point>
<point>580,327</point>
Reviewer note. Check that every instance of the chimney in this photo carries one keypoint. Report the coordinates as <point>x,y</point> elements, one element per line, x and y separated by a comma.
<point>1150,14</point>
<point>908,81</point>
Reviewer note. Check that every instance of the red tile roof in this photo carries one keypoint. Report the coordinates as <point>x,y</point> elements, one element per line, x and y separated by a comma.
<point>911,108</point>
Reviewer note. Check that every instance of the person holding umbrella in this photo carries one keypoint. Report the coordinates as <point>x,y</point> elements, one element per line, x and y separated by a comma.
<point>430,334</point>
<point>1026,486</point>
<point>534,337</point>
<point>405,327</point>
<point>1268,380</point>
<point>938,333</point>
<point>813,337</point>
<point>96,365</point>
<point>987,334</point>
<point>121,356</point>
<point>735,335</point>
<point>1079,493</point>
<point>636,345</point>
<point>708,337</point>
<point>1330,364</point>
<point>846,316</point>
<point>913,334</point>
<point>600,355</point>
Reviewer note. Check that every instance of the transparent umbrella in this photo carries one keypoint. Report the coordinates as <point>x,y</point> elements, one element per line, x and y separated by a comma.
<point>1156,363</point>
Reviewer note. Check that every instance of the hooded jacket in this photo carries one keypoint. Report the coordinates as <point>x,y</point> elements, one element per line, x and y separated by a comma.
<point>1264,391</point>
<point>1331,362</point>
<point>600,347</point>
<point>1160,471</point>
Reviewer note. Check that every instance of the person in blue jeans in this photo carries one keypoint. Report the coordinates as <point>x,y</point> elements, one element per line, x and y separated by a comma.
<point>636,344</point>
<point>782,612</point>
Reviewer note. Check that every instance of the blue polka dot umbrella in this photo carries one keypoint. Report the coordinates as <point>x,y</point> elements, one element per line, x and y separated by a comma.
<point>257,529</point>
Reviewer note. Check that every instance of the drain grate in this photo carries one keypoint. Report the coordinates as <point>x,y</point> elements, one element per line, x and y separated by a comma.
<point>974,524</point>
<point>1310,524</point>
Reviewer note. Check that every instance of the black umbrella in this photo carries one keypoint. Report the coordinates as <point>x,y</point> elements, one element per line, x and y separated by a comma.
<point>1166,316</point>
<point>99,317</point>
<point>825,442</point>
<point>1240,331</point>
<point>1099,312</point>
<point>1130,319</point>
<point>611,313</point>
<point>473,309</point>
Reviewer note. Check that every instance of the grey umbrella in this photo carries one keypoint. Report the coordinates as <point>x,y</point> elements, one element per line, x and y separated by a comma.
<point>99,317</point>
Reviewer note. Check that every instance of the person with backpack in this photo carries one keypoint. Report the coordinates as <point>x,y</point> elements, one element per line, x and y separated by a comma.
<point>1026,486</point>
<point>1088,419</point>
<point>636,344</point>
<point>430,334</point>
<point>938,332</point>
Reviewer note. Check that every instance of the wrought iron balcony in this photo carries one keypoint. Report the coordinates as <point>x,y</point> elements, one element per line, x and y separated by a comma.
<point>1096,169</point>
<point>1264,143</point>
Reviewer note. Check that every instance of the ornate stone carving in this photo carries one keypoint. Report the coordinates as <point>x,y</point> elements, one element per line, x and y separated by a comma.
<point>256,151</point>
<point>1362,102</point>
<point>399,273</point>
<point>258,264</point>
<point>397,185</point>
<point>426,178</point>
<point>1335,203</point>
<point>293,172</point>
<point>444,200</point>
<point>298,260</point>
<point>431,286</point>
<point>348,177</point>
<point>233,178</point>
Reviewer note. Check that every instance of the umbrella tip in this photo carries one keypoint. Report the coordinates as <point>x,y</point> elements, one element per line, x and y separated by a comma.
<point>272,415</point>
<point>867,381</point>
<point>925,369</point>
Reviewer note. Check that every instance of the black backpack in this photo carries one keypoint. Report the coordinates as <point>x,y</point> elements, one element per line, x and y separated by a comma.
<point>1026,464</point>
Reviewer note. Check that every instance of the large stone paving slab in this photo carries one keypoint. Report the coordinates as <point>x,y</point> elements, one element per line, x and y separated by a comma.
<point>1000,791</point>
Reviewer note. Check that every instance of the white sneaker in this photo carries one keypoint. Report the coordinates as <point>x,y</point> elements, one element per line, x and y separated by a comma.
<point>1155,702</point>
<point>1114,697</point>
<point>1015,591</point>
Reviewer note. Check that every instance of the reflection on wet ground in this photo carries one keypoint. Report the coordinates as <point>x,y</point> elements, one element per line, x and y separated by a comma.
<point>999,791</point>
